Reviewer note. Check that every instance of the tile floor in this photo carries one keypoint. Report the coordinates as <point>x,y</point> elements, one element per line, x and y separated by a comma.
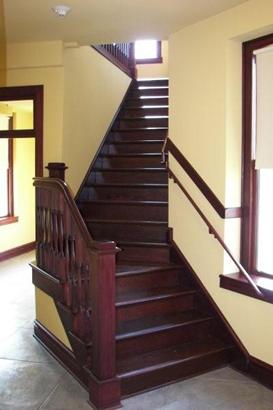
<point>30,379</point>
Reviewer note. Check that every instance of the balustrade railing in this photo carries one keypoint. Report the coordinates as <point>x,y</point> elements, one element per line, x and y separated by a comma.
<point>84,267</point>
<point>120,54</point>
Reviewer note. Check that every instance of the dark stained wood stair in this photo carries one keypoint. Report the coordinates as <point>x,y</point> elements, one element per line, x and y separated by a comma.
<point>166,328</point>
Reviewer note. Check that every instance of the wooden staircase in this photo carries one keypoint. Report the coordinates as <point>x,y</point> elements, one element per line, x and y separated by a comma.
<point>166,328</point>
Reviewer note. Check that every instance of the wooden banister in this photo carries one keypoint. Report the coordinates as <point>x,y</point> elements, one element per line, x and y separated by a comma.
<point>120,54</point>
<point>212,230</point>
<point>235,212</point>
<point>86,271</point>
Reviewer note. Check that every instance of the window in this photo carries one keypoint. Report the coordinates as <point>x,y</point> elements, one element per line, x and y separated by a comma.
<point>6,175</point>
<point>148,51</point>
<point>257,221</point>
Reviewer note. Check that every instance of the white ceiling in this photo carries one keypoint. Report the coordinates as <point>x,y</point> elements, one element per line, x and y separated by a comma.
<point>102,21</point>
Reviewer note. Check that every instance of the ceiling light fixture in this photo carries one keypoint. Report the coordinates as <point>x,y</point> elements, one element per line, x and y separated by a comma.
<point>61,10</point>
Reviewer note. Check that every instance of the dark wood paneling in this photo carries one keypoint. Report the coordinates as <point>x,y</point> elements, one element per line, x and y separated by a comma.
<point>19,250</point>
<point>45,282</point>
<point>223,212</point>
<point>237,283</point>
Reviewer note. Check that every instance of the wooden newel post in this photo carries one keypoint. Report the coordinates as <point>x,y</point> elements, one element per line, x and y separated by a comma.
<point>104,384</point>
<point>132,60</point>
<point>57,170</point>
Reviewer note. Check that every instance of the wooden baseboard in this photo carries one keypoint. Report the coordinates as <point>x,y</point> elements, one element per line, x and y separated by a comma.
<point>258,370</point>
<point>19,250</point>
<point>61,353</point>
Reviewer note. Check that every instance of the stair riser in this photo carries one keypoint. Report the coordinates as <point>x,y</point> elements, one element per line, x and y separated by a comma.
<point>143,254</point>
<point>164,339</point>
<point>137,135</point>
<point>152,83</point>
<point>166,278</point>
<point>130,162</point>
<point>148,92</point>
<point>141,123</point>
<point>156,307</point>
<point>173,372</point>
<point>130,194</point>
<point>140,112</point>
<point>119,211</point>
<point>129,177</point>
<point>140,102</point>
<point>126,232</point>
<point>132,148</point>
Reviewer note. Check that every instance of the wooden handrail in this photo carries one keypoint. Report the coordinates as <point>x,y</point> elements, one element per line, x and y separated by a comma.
<point>85,268</point>
<point>120,54</point>
<point>213,231</point>
<point>235,212</point>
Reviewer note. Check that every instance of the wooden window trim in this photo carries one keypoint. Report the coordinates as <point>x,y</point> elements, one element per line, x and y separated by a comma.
<point>157,60</point>
<point>250,181</point>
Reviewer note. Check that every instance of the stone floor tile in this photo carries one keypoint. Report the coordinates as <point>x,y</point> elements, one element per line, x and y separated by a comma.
<point>24,386</point>
<point>68,395</point>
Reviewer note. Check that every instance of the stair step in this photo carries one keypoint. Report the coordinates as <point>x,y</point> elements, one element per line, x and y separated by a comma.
<point>147,252</point>
<point>161,331</point>
<point>150,277</point>
<point>152,82</point>
<point>137,134</point>
<point>128,175</point>
<point>141,146</point>
<point>130,160</point>
<point>149,91</point>
<point>152,210</point>
<point>153,369</point>
<point>129,230</point>
<point>133,112</point>
<point>140,102</point>
<point>126,123</point>
<point>142,192</point>
<point>141,303</point>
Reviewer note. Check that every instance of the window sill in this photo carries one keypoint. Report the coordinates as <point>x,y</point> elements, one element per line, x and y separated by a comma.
<point>8,220</point>
<point>236,282</point>
<point>157,60</point>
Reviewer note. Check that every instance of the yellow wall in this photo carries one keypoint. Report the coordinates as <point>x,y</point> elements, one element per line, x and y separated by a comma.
<point>23,231</point>
<point>205,124</point>
<point>2,46</point>
<point>155,70</point>
<point>48,315</point>
<point>94,89</point>
<point>42,63</point>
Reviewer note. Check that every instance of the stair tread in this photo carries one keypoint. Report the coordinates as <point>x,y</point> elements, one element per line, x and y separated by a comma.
<point>166,357</point>
<point>126,269</point>
<point>144,129</point>
<point>134,154</point>
<point>148,244</point>
<point>150,117</point>
<point>126,184</point>
<point>130,141</point>
<point>145,295</point>
<point>129,169</point>
<point>136,327</point>
<point>126,221</point>
<point>123,202</point>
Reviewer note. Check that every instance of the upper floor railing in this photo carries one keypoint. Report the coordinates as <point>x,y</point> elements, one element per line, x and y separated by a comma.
<point>120,54</point>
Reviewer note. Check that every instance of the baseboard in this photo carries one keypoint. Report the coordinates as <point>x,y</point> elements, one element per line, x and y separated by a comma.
<point>186,263</point>
<point>19,250</point>
<point>258,370</point>
<point>61,353</point>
